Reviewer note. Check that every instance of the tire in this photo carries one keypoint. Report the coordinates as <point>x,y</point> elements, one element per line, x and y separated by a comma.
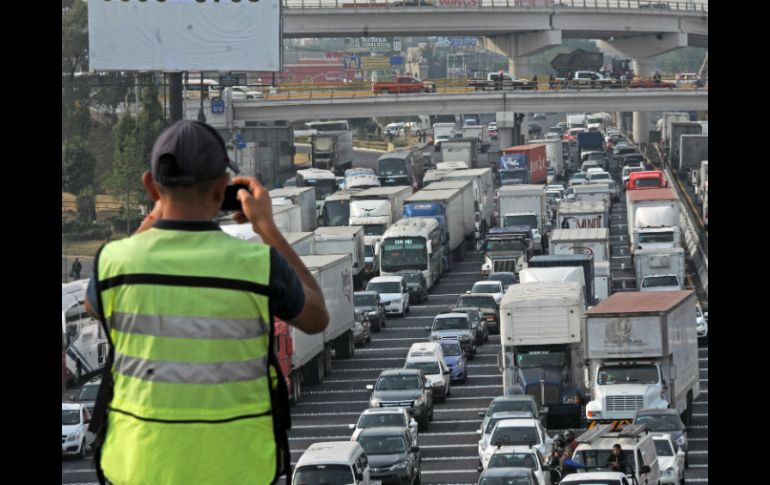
<point>342,346</point>
<point>369,338</point>
<point>422,424</point>
<point>430,413</point>
<point>327,361</point>
<point>407,307</point>
<point>448,390</point>
<point>296,388</point>
<point>313,371</point>
<point>418,478</point>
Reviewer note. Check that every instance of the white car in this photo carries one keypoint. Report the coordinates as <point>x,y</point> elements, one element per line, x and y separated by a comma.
<point>385,417</point>
<point>488,424</point>
<point>515,432</point>
<point>489,287</point>
<point>595,176</point>
<point>394,294</point>
<point>520,457</point>
<point>670,460</point>
<point>701,322</point>
<point>436,373</point>
<point>605,478</point>
<point>245,93</point>
<point>75,437</point>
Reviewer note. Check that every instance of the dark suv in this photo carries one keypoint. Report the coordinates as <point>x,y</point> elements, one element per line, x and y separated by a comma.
<point>369,303</point>
<point>477,321</point>
<point>488,306</point>
<point>404,388</point>
<point>418,287</point>
<point>455,326</point>
<point>392,458</point>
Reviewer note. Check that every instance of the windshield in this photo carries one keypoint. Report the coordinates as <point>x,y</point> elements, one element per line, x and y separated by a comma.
<point>324,475</point>
<point>450,323</point>
<point>391,167</point>
<point>411,277</point>
<point>614,374</point>
<point>382,445</point>
<point>509,405</point>
<point>598,458</point>
<point>397,383</point>
<point>477,301</point>
<point>509,460</point>
<point>647,182</point>
<point>364,300</point>
<point>451,348</point>
<point>663,448</point>
<point>384,287</point>
<point>513,176</point>
<point>486,287</point>
<point>660,422</point>
<point>599,176</point>
<point>655,281</point>
<point>505,245</point>
<point>656,237</point>
<point>88,393</point>
<point>510,436</point>
<point>526,361</point>
<point>428,368</point>
<point>505,279</point>
<point>521,480</point>
<point>627,170</point>
<point>374,229</point>
<point>336,213</point>
<point>369,251</point>
<point>323,187</point>
<point>404,253</point>
<point>595,156</point>
<point>520,220</point>
<point>379,420</point>
<point>69,417</point>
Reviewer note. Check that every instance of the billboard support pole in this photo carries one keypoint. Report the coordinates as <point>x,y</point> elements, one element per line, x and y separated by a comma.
<point>175,96</point>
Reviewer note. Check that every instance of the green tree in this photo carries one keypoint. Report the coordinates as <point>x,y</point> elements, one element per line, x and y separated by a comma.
<point>78,175</point>
<point>74,58</point>
<point>125,179</point>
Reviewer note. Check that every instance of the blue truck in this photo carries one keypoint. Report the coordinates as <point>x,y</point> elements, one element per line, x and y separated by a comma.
<point>589,141</point>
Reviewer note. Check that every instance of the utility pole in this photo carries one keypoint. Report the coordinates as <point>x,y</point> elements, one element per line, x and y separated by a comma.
<point>175,96</point>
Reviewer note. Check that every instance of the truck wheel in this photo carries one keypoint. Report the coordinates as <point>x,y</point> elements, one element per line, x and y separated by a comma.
<point>343,346</point>
<point>327,361</point>
<point>313,371</point>
<point>423,424</point>
<point>296,388</point>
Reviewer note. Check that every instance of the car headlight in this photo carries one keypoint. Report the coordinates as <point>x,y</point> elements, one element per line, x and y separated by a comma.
<point>437,384</point>
<point>569,400</point>
<point>74,437</point>
<point>400,465</point>
<point>669,472</point>
<point>465,338</point>
<point>433,337</point>
<point>680,441</point>
<point>459,364</point>
<point>374,403</point>
<point>419,401</point>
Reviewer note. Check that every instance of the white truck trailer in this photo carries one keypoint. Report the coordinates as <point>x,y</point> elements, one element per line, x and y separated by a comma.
<point>524,205</point>
<point>653,219</point>
<point>343,240</point>
<point>305,198</point>
<point>286,217</point>
<point>324,182</point>
<point>594,241</point>
<point>468,195</point>
<point>642,351</point>
<point>654,267</point>
<point>377,208</point>
<point>555,153</point>
<point>461,150</point>
<point>540,330</point>
<point>577,215</point>
<point>484,189</point>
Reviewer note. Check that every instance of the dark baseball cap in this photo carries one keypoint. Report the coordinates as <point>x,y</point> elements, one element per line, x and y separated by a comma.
<point>189,152</point>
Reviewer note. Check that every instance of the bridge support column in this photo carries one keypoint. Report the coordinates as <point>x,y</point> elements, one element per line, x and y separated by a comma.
<point>518,47</point>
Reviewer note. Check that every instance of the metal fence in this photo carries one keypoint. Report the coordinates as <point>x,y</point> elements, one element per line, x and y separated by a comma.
<point>651,6</point>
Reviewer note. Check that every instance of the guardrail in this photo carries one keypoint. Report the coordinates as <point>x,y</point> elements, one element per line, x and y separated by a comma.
<point>652,6</point>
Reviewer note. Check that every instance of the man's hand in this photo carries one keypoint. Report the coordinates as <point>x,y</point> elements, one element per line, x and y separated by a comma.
<point>256,206</point>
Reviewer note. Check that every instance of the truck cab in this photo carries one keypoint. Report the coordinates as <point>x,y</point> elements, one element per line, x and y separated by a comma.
<point>506,249</point>
<point>525,219</point>
<point>324,181</point>
<point>651,179</point>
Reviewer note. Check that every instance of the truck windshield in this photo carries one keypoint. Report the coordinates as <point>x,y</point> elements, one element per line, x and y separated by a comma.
<point>428,368</point>
<point>505,245</point>
<point>324,474</point>
<point>379,420</point>
<point>404,253</point>
<point>336,213</point>
<point>616,374</point>
<point>383,445</point>
<point>391,167</point>
<point>526,361</point>
<point>323,143</point>
<point>512,177</point>
<point>374,229</point>
<point>384,287</point>
<point>450,324</point>
<point>655,281</point>
<point>520,220</point>
<point>523,435</point>
<point>647,182</point>
<point>656,237</point>
<point>323,187</point>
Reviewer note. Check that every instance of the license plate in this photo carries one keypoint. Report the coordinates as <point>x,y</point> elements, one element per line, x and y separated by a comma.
<point>376,482</point>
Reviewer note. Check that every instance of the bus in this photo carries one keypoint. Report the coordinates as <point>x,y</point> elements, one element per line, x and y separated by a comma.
<point>321,126</point>
<point>413,243</point>
<point>208,87</point>
<point>84,344</point>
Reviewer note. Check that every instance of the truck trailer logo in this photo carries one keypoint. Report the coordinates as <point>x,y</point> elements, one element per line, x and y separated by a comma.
<point>581,250</point>
<point>571,222</point>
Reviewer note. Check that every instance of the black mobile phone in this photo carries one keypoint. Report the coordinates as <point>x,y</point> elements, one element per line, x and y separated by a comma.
<point>231,202</point>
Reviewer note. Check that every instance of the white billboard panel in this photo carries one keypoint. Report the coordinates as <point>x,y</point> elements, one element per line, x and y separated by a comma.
<point>184,35</point>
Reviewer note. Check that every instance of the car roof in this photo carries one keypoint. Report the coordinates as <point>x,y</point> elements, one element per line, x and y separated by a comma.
<point>420,359</point>
<point>452,315</point>
<point>514,397</point>
<point>330,452</point>
<point>511,415</point>
<point>389,410</point>
<point>516,422</point>
<point>508,472</point>
<point>386,279</point>
<point>577,477</point>
<point>399,372</point>
<point>71,406</point>
<point>382,431</point>
<point>459,309</point>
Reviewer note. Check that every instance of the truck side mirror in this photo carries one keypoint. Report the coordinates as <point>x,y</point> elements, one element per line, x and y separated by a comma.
<point>644,469</point>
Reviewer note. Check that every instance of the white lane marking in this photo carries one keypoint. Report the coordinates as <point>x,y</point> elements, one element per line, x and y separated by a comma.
<point>697,427</point>
<point>437,447</point>
<point>398,339</point>
<point>700,415</point>
<point>458,421</point>
<point>433,306</point>
<point>436,472</point>
<point>691,465</point>
<point>79,470</point>
<point>321,438</point>
<point>447,433</point>
<point>314,426</point>
<point>457,410</point>
<point>476,273</point>
<point>357,413</point>
<point>382,349</point>
<point>698,452</point>
<point>697,439</point>
<point>703,358</point>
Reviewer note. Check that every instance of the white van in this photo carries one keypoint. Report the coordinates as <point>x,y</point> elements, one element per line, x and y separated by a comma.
<point>431,363</point>
<point>394,293</point>
<point>339,462</point>
<point>595,445</point>
<point>426,349</point>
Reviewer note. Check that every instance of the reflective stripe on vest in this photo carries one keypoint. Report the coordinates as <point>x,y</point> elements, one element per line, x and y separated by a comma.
<point>191,400</point>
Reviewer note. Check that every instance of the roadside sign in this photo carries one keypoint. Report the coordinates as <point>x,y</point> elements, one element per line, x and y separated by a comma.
<point>217,105</point>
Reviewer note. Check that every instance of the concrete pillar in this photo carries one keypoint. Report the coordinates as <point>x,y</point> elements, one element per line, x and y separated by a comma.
<point>643,67</point>
<point>505,137</point>
<point>517,48</point>
<point>518,66</point>
<point>641,127</point>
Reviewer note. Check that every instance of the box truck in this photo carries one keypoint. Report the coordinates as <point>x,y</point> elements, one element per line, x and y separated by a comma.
<point>343,240</point>
<point>525,205</point>
<point>523,164</point>
<point>577,215</point>
<point>305,198</point>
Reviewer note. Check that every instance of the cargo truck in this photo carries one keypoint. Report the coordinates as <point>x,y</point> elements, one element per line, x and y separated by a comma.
<point>542,355</point>
<point>377,208</point>
<point>468,195</point>
<point>443,132</point>
<point>523,164</point>
<point>332,150</point>
<point>302,243</point>
<point>413,243</point>
<point>461,150</point>
<point>525,205</point>
<point>554,152</point>
<point>480,133</point>
<point>402,167</point>
<point>653,219</point>
<point>642,351</point>
<point>593,241</point>
<point>484,189</point>
<point>592,141</point>
<point>448,208</point>
<point>580,215</point>
<point>592,192</point>
<point>305,198</point>
<point>664,124</point>
<point>505,249</point>
<point>585,261</point>
<point>324,181</point>
<point>434,175</point>
<point>576,120</point>
<point>693,149</point>
<point>598,121</point>
<point>646,180</point>
<point>654,268</point>
<point>343,240</point>
<point>679,128</point>
<point>336,209</point>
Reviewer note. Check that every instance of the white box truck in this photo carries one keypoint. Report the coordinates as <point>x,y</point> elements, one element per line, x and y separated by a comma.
<point>540,330</point>
<point>653,219</point>
<point>305,198</point>
<point>377,208</point>
<point>484,189</point>
<point>642,351</point>
<point>469,198</point>
<point>594,241</point>
<point>334,274</point>
<point>602,280</point>
<point>655,267</point>
<point>524,205</point>
<point>461,150</point>
<point>574,274</point>
<point>343,240</point>
<point>576,215</point>
<point>554,151</point>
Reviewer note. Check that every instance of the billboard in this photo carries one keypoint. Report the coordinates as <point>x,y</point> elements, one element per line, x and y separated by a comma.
<point>375,62</point>
<point>184,35</point>
<point>368,44</point>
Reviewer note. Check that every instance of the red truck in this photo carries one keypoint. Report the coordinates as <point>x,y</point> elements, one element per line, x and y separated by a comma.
<point>404,84</point>
<point>523,164</point>
<point>652,179</point>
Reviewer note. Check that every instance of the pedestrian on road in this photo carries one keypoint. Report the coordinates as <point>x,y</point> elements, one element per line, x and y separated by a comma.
<point>192,392</point>
<point>534,81</point>
<point>551,81</point>
<point>499,81</point>
<point>77,266</point>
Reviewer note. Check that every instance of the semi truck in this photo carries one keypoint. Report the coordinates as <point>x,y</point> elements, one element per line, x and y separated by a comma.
<point>402,167</point>
<point>585,261</point>
<point>336,209</point>
<point>593,241</point>
<point>525,205</point>
<point>653,219</point>
<point>324,181</point>
<point>343,240</point>
<point>377,208</point>
<point>484,189</point>
<point>461,150</point>
<point>664,124</point>
<point>598,121</point>
<point>443,132</point>
<point>305,198</point>
<point>554,152</point>
<point>447,206</point>
<point>576,120</point>
<point>654,268</point>
<point>542,355</point>
<point>577,215</point>
<point>504,250</point>
<point>332,150</point>
<point>642,351</point>
<point>679,128</point>
<point>523,164</point>
<point>468,194</point>
<point>589,141</point>
<point>693,149</point>
<point>413,243</point>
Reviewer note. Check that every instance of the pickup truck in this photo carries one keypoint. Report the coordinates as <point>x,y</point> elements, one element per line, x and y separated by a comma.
<point>589,79</point>
<point>492,82</point>
<point>404,84</point>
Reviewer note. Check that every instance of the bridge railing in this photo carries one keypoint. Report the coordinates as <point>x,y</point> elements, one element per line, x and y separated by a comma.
<point>651,6</point>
